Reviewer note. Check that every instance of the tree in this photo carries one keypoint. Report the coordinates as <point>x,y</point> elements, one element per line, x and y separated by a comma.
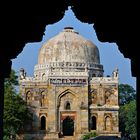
<point>128,120</point>
<point>126,94</point>
<point>127,112</point>
<point>15,109</point>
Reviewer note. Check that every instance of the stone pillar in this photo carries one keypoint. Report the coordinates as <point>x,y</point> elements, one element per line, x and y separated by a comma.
<point>52,126</point>
<point>115,121</point>
<point>100,121</point>
<point>84,120</point>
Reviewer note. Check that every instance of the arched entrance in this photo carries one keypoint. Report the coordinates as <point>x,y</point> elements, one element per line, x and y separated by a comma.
<point>68,126</point>
<point>43,123</point>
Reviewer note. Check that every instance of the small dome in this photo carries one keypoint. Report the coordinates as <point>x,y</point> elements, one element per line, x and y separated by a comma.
<point>68,46</point>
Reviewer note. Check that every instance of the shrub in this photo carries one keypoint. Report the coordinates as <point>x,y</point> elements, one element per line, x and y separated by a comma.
<point>89,135</point>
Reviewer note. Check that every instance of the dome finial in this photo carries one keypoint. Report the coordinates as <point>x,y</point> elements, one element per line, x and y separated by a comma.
<point>70,29</point>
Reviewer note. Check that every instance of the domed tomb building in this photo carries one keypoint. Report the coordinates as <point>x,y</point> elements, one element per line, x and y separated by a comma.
<point>68,95</point>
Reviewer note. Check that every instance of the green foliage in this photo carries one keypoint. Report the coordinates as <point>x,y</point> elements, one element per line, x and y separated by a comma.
<point>128,120</point>
<point>89,135</point>
<point>127,112</point>
<point>15,109</point>
<point>126,94</point>
<point>12,80</point>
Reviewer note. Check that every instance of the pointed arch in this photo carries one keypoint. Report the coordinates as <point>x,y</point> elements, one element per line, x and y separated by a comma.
<point>94,122</point>
<point>108,123</point>
<point>43,76</point>
<point>43,99</point>
<point>67,105</point>
<point>28,97</point>
<point>62,93</point>
<point>43,123</point>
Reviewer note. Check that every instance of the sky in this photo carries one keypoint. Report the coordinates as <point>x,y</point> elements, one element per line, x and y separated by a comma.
<point>110,56</point>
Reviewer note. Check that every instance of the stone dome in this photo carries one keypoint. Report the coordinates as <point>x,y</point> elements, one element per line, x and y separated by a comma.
<point>68,46</point>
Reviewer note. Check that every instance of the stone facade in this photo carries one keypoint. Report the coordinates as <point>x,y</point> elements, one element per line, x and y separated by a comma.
<point>68,95</point>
